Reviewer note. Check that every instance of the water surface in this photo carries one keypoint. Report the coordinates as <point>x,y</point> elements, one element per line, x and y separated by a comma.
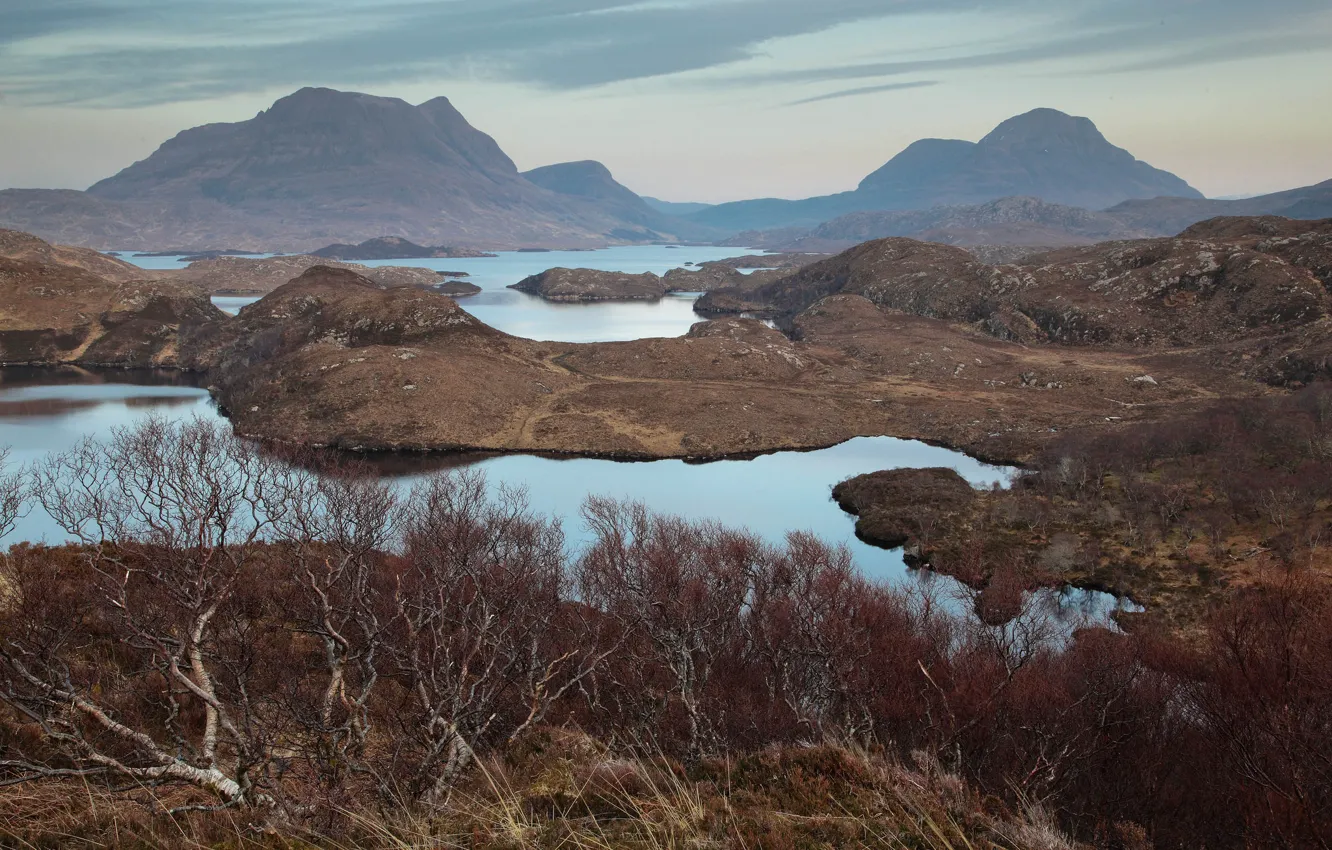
<point>534,318</point>
<point>43,411</point>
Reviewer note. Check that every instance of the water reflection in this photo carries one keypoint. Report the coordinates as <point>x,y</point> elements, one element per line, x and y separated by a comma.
<point>770,494</point>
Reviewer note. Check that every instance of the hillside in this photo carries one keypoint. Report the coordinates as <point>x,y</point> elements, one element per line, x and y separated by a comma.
<point>16,245</point>
<point>1216,285</point>
<point>56,313</point>
<point>1043,153</point>
<point>1007,221</point>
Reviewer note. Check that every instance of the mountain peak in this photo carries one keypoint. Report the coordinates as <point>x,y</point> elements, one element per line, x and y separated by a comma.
<point>1046,127</point>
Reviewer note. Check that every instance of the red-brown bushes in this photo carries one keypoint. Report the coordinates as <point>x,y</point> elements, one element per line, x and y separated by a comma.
<point>288,642</point>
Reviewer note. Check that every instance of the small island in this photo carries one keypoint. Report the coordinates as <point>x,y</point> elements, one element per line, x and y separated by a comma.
<point>570,285</point>
<point>393,248</point>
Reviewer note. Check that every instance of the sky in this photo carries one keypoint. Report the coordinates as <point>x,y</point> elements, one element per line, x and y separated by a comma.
<point>688,100</point>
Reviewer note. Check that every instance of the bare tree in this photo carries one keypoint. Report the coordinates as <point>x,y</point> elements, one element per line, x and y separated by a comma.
<point>805,631</point>
<point>338,521</point>
<point>169,517</point>
<point>677,591</point>
<point>13,495</point>
<point>481,643</point>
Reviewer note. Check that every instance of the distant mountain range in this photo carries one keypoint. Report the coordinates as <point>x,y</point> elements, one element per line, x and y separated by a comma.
<point>1043,153</point>
<point>1033,222</point>
<point>323,166</point>
<point>676,207</point>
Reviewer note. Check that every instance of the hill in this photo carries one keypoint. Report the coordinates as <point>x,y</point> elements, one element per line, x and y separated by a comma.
<point>1044,154</point>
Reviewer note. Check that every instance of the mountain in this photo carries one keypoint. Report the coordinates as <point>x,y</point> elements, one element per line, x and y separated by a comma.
<point>590,180</point>
<point>1007,221</point>
<point>1035,223</point>
<point>323,166</point>
<point>675,207</point>
<point>1044,154</point>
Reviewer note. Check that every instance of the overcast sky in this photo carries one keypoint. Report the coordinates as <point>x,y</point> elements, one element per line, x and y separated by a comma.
<point>689,99</point>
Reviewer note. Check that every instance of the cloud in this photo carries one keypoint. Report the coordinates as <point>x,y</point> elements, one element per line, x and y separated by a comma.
<point>118,53</point>
<point>864,90</point>
<point>1122,36</point>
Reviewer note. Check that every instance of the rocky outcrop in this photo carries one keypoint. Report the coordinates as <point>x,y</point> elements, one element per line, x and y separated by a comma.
<point>562,284</point>
<point>52,314</point>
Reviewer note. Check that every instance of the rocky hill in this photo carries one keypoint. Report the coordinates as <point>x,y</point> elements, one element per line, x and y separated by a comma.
<point>54,313</point>
<point>333,358</point>
<point>16,245</point>
<point>321,166</point>
<point>1044,153</point>
<point>1145,293</point>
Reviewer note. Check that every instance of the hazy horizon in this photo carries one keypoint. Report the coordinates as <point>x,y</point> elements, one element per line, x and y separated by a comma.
<point>689,101</point>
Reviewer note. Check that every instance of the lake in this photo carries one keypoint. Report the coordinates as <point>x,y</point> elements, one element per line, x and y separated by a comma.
<point>534,318</point>
<point>46,410</point>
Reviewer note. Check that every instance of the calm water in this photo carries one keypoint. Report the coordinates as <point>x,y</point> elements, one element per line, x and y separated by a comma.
<point>528,316</point>
<point>42,411</point>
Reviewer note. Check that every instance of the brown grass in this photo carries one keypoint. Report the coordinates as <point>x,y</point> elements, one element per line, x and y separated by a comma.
<point>559,789</point>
